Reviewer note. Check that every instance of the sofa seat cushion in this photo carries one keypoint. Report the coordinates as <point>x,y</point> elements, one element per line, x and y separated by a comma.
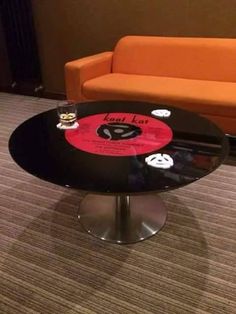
<point>206,97</point>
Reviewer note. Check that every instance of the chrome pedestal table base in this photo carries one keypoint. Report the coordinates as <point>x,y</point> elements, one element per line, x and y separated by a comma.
<point>122,219</point>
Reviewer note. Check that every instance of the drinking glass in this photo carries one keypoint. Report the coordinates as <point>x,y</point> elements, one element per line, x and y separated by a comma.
<point>67,113</point>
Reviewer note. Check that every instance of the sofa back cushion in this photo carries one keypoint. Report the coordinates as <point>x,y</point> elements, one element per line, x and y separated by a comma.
<point>192,58</point>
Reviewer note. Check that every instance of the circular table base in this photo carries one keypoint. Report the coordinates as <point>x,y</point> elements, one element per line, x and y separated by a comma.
<point>144,216</point>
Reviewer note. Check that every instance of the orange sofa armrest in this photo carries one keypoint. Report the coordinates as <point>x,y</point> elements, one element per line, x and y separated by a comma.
<point>81,70</point>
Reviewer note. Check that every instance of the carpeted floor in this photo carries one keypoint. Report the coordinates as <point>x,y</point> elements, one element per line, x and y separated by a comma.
<point>50,265</point>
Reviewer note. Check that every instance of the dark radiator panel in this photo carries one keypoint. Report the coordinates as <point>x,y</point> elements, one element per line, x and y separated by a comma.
<point>17,20</point>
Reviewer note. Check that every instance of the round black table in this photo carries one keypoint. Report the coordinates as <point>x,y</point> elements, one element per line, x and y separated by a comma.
<point>122,154</point>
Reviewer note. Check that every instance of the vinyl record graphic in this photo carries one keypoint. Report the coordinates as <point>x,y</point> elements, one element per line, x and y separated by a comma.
<point>119,134</point>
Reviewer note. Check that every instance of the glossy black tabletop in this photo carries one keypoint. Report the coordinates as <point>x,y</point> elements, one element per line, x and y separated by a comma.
<point>105,162</point>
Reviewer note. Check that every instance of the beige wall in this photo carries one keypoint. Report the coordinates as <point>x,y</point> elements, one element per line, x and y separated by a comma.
<point>69,29</point>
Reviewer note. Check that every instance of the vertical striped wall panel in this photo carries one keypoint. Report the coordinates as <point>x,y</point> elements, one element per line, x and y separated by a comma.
<point>18,25</point>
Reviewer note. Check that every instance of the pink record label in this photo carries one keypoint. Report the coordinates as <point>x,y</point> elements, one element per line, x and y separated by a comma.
<point>119,134</point>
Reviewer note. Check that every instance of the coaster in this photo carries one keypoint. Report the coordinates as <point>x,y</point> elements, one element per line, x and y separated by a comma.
<point>71,127</point>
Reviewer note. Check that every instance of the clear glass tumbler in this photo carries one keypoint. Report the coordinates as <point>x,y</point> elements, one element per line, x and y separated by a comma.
<point>67,113</point>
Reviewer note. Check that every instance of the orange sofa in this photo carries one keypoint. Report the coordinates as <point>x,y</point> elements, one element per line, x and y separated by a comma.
<point>197,74</point>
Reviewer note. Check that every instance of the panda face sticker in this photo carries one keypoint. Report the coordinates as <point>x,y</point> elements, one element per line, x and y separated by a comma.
<point>162,161</point>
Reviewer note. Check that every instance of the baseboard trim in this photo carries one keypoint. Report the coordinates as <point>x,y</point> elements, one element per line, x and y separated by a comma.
<point>51,95</point>
<point>30,92</point>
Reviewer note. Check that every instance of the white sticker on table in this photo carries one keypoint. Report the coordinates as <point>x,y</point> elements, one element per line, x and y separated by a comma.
<point>162,113</point>
<point>162,161</point>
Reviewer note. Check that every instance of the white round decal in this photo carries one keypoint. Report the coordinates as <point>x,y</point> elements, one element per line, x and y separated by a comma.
<point>162,161</point>
<point>162,113</point>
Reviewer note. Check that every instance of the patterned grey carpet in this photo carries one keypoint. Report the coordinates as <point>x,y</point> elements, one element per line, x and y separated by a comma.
<point>49,264</point>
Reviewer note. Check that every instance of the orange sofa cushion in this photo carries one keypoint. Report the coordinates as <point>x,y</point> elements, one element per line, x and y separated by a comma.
<point>206,97</point>
<point>192,58</point>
